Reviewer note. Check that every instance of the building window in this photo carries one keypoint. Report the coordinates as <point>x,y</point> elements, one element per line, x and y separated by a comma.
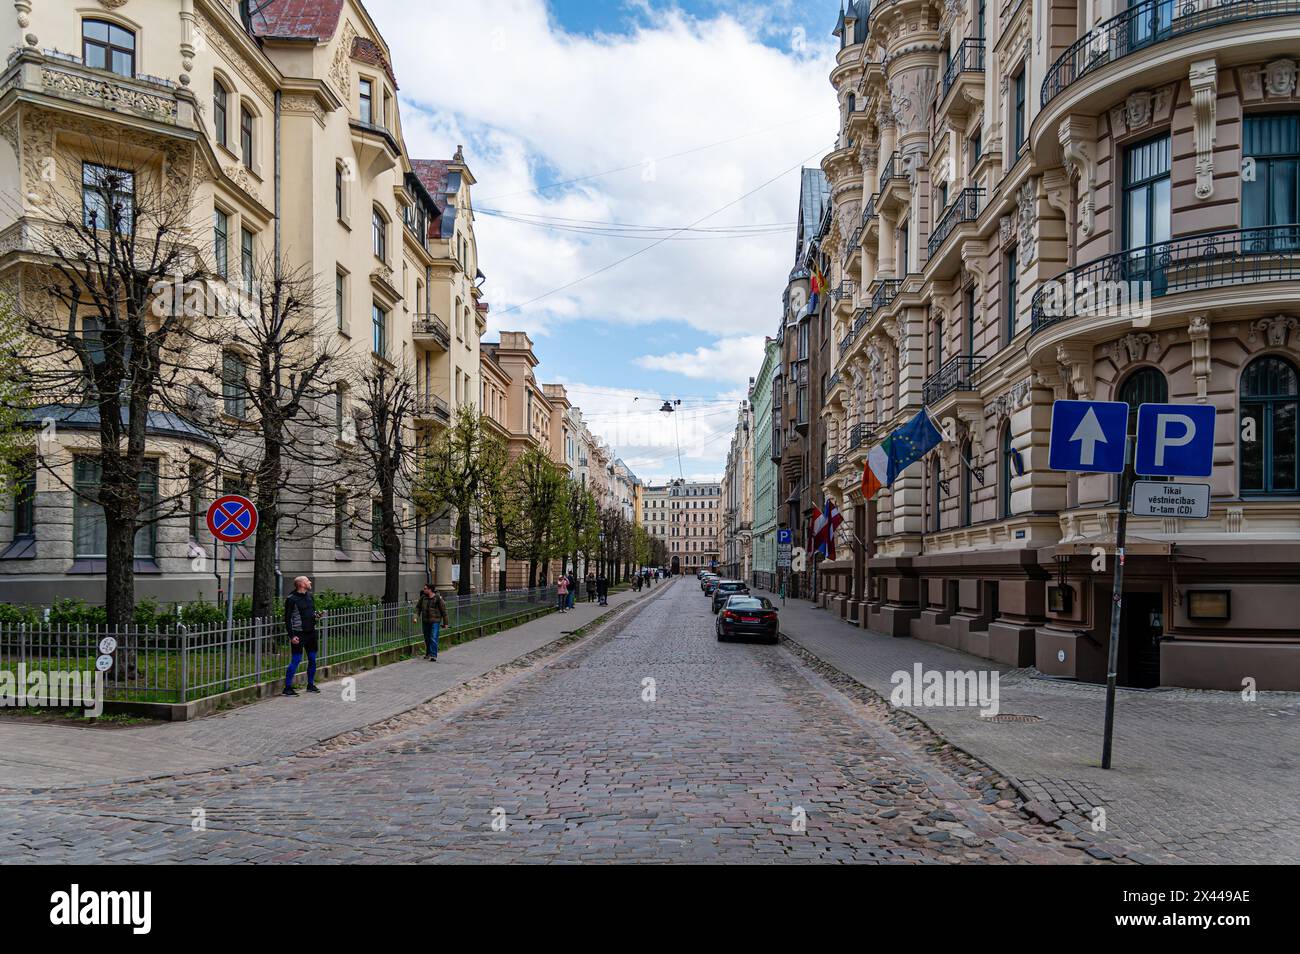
<point>220,119</point>
<point>246,263</point>
<point>1004,478</point>
<point>89,529</point>
<point>221,242</point>
<point>903,248</point>
<point>107,46</point>
<point>340,301</point>
<point>197,475</point>
<point>1143,386</point>
<point>968,318</point>
<point>976,148</point>
<point>107,197</point>
<point>1012,270</point>
<point>234,386</point>
<point>340,406</point>
<point>379,330</point>
<point>1146,211</point>
<point>246,136</point>
<point>1151,23</point>
<point>379,234</point>
<point>1018,112</point>
<point>338,192</point>
<point>366,110</point>
<point>25,500</point>
<point>1272,197</point>
<point>376,526</point>
<point>979,18</point>
<point>936,495</point>
<point>965,483</point>
<point>1269,407</point>
<point>340,517</point>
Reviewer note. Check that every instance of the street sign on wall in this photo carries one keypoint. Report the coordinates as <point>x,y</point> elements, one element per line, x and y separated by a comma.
<point>1162,498</point>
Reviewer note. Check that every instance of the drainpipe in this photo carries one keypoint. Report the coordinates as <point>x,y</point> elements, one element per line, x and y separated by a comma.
<point>279,577</point>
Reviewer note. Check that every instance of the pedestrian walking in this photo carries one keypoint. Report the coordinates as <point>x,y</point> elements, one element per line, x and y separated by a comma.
<point>573,588</point>
<point>591,587</point>
<point>431,614</point>
<point>562,594</point>
<point>602,589</point>
<point>300,617</point>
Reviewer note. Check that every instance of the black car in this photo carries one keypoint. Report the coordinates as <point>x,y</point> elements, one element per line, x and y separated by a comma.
<point>746,615</point>
<point>725,588</point>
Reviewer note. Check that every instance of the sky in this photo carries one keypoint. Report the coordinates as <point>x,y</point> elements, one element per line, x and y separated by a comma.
<point>596,131</point>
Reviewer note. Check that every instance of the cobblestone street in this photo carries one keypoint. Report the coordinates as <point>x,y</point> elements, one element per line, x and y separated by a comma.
<point>574,760</point>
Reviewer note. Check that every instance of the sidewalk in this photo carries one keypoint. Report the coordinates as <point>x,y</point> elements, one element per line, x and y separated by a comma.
<point>1197,776</point>
<point>36,755</point>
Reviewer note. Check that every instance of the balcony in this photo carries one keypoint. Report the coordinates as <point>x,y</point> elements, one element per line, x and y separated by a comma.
<point>430,407</point>
<point>862,434</point>
<point>430,330</point>
<point>886,290</point>
<point>969,58</point>
<point>1117,285</point>
<point>957,374</point>
<point>66,77</point>
<point>965,208</point>
<point>846,342</point>
<point>831,382</point>
<point>376,148</point>
<point>831,468</point>
<point>893,170</point>
<point>1147,24</point>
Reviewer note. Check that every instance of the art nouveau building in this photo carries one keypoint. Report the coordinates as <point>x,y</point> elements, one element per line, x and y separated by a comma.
<point>736,522</point>
<point>989,157</point>
<point>763,490</point>
<point>685,515</point>
<point>285,130</point>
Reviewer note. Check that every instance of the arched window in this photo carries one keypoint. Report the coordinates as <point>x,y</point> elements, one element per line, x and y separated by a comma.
<point>1143,386</point>
<point>220,112</point>
<point>107,46</point>
<point>966,488</point>
<point>1270,392</point>
<point>936,495</point>
<point>1006,472</point>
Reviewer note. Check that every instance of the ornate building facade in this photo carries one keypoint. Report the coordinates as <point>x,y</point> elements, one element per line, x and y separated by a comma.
<point>992,162</point>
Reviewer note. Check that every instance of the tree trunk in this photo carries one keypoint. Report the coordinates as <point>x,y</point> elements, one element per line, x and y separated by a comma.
<point>119,570</point>
<point>463,530</point>
<point>392,542</point>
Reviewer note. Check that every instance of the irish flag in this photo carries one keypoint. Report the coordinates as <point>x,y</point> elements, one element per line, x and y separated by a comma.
<point>902,448</point>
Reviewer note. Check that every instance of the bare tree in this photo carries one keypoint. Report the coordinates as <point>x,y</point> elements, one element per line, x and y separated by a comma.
<point>540,486</point>
<point>107,333</point>
<point>283,412</point>
<point>463,476</point>
<point>15,400</point>
<point>385,399</point>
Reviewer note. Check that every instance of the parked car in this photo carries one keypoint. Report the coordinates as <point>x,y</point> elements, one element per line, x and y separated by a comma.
<point>709,585</point>
<point>745,615</point>
<point>705,578</point>
<point>725,588</point>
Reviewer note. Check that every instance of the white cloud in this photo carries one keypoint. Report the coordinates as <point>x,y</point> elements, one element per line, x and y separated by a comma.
<point>534,105</point>
<point>730,360</point>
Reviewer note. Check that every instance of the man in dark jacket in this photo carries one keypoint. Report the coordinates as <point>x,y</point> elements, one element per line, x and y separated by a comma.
<point>300,620</point>
<point>431,612</point>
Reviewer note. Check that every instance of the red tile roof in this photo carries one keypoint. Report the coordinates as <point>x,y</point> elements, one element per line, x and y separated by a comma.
<point>367,51</point>
<point>299,19</point>
<point>432,174</point>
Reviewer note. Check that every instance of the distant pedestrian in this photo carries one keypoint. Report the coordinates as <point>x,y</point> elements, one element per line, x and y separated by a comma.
<point>602,589</point>
<point>431,613</point>
<point>591,587</point>
<point>300,617</point>
<point>573,588</point>
<point>562,594</point>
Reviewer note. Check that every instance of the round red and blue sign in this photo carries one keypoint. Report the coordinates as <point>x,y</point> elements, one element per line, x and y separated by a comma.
<point>232,518</point>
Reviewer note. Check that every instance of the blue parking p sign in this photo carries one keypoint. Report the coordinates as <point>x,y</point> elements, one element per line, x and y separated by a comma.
<point>784,536</point>
<point>1088,436</point>
<point>1175,440</point>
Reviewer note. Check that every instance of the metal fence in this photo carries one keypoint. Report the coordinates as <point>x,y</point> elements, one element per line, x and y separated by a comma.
<point>180,664</point>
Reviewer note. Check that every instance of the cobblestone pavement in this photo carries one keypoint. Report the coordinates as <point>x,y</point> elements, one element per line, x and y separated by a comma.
<point>34,755</point>
<point>575,761</point>
<point>1202,777</point>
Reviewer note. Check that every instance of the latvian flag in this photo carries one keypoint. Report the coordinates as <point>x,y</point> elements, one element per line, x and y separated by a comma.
<point>824,524</point>
<point>900,449</point>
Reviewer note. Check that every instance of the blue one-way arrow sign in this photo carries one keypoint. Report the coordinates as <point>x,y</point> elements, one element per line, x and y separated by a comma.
<point>1175,440</point>
<point>1088,436</point>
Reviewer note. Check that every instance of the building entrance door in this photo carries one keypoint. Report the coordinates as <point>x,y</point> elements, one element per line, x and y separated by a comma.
<point>1142,626</point>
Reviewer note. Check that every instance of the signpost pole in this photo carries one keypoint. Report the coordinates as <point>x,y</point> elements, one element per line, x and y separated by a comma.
<point>1117,603</point>
<point>230,613</point>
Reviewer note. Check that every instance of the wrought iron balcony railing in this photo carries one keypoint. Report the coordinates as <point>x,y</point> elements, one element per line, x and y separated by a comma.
<point>957,374</point>
<point>885,291</point>
<point>431,324</point>
<point>844,290</point>
<point>968,58</point>
<point>833,380</point>
<point>869,210</point>
<point>964,208</point>
<point>1145,24</point>
<point>832,466</point>
<point>893,170</point>
<point>430,405</point>
<point>864,432</point>
<point>1125,279</point>
<point>847,341</point>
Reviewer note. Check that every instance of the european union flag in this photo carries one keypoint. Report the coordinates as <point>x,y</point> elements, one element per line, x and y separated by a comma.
<point>911,442</point>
